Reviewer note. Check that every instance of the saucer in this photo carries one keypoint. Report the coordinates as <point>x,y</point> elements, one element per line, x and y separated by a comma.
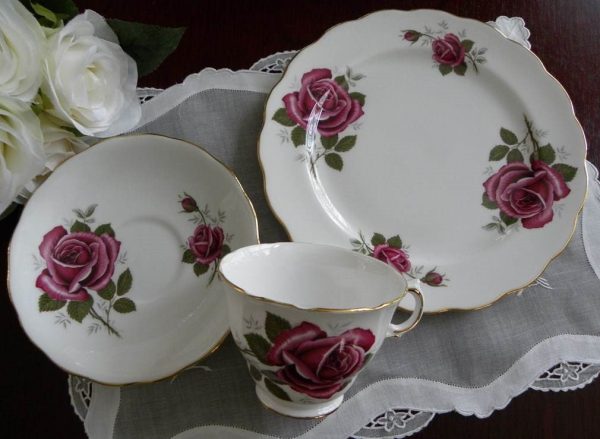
<point>112,267</point>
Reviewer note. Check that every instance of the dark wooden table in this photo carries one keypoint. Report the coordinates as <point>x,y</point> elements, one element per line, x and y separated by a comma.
<point>234,34</point>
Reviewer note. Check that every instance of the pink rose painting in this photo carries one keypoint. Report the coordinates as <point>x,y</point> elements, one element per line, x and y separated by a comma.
<point>448,50</point>
<point>525,193</point>
<point>318,365</point>
<point>393,252</point>
<point>75,262</point>
<point>79,269</point>
<point>306,359</point>
<point>340,107</point>
<point>451,52</point>
<point>208,243</point>
<point>395,257</point>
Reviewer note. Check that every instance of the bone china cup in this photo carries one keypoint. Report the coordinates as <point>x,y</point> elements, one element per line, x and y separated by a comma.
<point>307,318</point>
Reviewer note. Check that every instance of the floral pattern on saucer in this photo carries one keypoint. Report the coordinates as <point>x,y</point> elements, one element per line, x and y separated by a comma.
<point>393,252</point>
<point>341,107</point>
<point>208,243</point>
<point>306,359</point>
<point>524,193</point>
<point>451,52</point>
<point>79,270</point>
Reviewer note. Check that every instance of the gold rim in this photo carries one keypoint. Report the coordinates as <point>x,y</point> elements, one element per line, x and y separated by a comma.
<point>213,348</point>
<point>245,293</point>
<point>544,71</point>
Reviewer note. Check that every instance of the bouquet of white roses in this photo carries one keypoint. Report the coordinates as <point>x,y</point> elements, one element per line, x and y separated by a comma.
<point>64,75</point>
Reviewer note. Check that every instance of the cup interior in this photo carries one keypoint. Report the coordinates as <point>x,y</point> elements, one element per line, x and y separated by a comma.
<point>310,276</point>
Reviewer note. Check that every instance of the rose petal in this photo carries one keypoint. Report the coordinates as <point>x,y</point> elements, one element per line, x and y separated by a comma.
<point>105,268</point>
<point>85,271</point>
<point>303,369</point>
<point>98,264</point>
<point>315,75</point>
<point>293,109</point>
<point>359,337</point>
<point>59,292</point>
<point>491,184</point>
<point>291,339</point>
<point>506,185</point>
<point>561,190</point>
<point>50,240</point>
<point>308,345</point>
<point>315,391</point>
<point>546,214</point>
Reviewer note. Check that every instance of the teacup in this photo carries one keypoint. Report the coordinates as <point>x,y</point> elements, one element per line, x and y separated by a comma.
<point>308,318</point>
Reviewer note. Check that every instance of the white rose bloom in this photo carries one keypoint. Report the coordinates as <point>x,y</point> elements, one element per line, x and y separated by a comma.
<point>89,79</point>
<point>59,143</point>
<point>21,152</point>
<point>21,51</point>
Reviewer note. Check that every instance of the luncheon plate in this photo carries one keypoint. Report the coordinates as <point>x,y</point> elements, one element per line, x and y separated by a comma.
<point>112,267</point>
<point>430,142</point>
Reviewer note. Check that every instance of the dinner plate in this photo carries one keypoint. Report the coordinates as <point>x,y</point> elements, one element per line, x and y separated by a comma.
<point>112,265</point>
<point>433,143</point>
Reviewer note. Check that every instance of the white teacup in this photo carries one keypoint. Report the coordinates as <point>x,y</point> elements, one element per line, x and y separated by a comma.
<point>308,318</point>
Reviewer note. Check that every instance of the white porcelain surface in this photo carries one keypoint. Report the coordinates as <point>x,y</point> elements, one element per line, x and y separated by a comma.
<point>307,319</point>
<point>313,276</point>
<point>421,152</point>
<point>137,184</point>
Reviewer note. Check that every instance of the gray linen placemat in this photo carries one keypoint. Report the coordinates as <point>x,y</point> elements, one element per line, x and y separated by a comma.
<point>465,349</point>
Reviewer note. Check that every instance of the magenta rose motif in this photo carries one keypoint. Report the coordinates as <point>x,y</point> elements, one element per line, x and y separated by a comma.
<point>206,243</point>
<point>527,193</point>
<point>315,364</point>
<point>76,261</point>
<point>448,50</point>
<point>339,109</point>
<point>393,256</point>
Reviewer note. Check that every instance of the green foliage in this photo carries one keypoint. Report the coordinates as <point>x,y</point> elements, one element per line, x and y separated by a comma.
<point>258,345</point>
<point>282,118</point>
<point>78,310</point>
<point>498,152</point>
<point>335,161</point>
<point>46,303</point>
<point>124,283</point>
<point>124,305</point>
<point>147,44</point>
<point>275,325</point>
<point>508,137</point>
<point>108,292</point>
<point>78,226</point>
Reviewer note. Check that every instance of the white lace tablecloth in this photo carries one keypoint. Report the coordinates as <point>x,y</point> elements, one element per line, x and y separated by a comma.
<point>547,338</point>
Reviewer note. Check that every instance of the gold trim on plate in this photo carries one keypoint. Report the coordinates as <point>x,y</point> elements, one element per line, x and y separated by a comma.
<point>477,22</point>
<point>215,346</point>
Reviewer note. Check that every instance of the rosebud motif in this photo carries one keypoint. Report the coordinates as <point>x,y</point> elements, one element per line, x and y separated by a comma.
<point>189,204</point>
<point>412,35</point>
<point>433,279</point>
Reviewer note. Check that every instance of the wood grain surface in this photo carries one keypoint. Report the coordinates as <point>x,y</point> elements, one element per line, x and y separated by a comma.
<point>34,401</point>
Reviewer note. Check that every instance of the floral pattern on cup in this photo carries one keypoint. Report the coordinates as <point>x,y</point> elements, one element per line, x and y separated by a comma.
<point>305,358</point>
<point>79,269</point>
<point>525,191</point>
<point>208,243</point>
<point>341,107</point>
<point>393,252</point>
<point>452,53</point>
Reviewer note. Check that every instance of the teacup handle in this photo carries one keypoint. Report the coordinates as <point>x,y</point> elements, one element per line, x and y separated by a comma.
<point>410,323</point>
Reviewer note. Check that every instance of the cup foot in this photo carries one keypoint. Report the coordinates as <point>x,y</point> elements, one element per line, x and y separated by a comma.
<point>297,410</point>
